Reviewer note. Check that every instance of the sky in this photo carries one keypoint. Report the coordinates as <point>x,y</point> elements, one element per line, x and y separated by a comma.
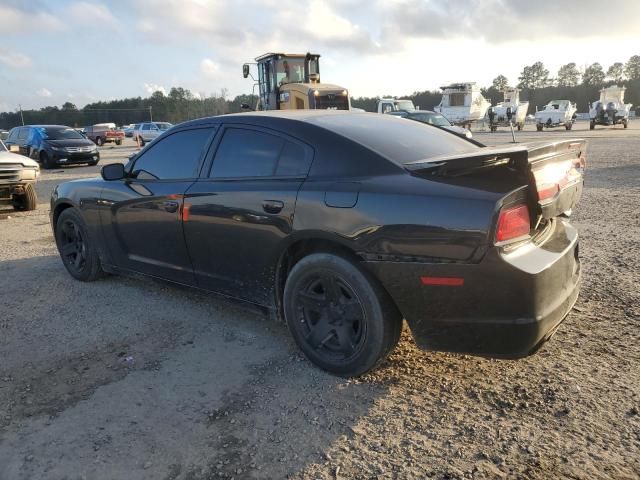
<point>82,51</point>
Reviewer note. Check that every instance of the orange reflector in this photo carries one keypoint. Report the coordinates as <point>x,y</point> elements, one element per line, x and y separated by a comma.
<point>444,281</point>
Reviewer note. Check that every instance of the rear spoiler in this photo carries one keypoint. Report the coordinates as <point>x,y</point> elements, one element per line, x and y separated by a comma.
<point>553,170</point>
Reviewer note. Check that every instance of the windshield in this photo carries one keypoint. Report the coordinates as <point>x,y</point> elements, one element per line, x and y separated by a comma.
<point>164,125</point>
<point>60,133</point>
<point>432,119</point>
<point>405,105</point>
<point>291,70</point>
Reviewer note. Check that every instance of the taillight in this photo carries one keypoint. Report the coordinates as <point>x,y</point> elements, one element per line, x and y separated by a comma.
<point>513,222</point>
<point>551,178</point>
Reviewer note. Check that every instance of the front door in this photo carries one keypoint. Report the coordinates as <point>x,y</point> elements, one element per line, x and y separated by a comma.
<point>237,219</point>
<point>142,214</point>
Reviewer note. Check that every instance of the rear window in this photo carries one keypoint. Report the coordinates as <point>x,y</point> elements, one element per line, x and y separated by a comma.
<point>394,138</point>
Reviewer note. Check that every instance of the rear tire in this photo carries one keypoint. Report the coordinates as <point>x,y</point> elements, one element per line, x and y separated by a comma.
<point>78,254</point>
<point>592,125</point>
<point>118,142</point>
<point>625,123</point>
<point>140,141</point>
<point>520,126</point>
<point>568,126</point>
<point>539,127</point>
<point>340,317</point>
<point>27,201</point>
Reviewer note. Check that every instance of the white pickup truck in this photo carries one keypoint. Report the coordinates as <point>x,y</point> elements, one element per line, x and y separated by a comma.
<point>18,174</point>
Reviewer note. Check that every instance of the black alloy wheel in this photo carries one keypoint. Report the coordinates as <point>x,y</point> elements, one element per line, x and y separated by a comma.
<point>339,315</point>
<point>72,246</point>
<point>332,316</point>
<point>78,255</point>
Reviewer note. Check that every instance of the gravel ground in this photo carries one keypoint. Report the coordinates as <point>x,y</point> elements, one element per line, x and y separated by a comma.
<point>134,379</point>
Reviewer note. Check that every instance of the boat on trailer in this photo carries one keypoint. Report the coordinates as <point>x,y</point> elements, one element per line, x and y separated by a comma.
<point>556,113</point>
<point>511,111</point>
<point>610,109</point>
<point>462,103</point>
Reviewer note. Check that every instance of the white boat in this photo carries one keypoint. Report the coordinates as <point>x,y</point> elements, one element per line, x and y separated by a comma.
<point>610,109</point>
<point>556,113</point>
<point>510,111</point>
<point>462,103</point>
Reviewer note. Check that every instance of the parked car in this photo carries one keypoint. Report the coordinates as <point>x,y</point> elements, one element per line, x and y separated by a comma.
<point>149,130</point>
<point>101,134</point>
<point>53,145</point>
<point>433,118</point>
<point>17,178</point>
<point>128,130</point>
<point>344,224</point>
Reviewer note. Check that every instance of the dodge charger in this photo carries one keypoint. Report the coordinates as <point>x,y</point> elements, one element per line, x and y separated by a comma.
<point>344,225</point>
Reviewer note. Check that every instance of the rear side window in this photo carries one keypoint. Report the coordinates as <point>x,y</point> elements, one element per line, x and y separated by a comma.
<point>176,156</point>
<point>13,135</point>
<point>397,140</point>
<point>250,153</point>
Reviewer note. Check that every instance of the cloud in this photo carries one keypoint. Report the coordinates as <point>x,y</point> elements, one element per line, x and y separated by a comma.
<point>14,59</point>
<point>23,20</point>
<point>85,11</point>
<point>154,87</point>
<point>209,68</point>
<point>501,21</point>
<point>43,92</point>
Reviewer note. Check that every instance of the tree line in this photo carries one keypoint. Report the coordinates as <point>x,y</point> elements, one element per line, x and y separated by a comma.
<point>538,87</point>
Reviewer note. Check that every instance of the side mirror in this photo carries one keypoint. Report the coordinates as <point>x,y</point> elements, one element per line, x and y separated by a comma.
<point>113,171</point>
<point>245,70</point>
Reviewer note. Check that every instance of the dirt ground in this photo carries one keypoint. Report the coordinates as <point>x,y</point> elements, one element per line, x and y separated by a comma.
<point>134,379</point>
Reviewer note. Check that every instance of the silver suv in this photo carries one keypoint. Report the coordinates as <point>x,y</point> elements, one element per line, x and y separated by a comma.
<point>147,131</point>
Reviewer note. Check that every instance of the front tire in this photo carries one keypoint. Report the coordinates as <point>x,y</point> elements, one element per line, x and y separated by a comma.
<point>99,141</point>
<point>78,254</point>
<point>592,125</point>
<point>47,163</point>
<point>118,142</point>
<point>539,127</point>
<point>27,201</point>
<point>340,317</point>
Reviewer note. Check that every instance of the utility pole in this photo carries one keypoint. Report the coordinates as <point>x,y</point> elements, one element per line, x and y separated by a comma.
<point>150,114</point>
<point>21,115</point>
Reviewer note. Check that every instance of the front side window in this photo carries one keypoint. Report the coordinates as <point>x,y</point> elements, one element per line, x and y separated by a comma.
<point>250,153</point>
<point>176,156</point>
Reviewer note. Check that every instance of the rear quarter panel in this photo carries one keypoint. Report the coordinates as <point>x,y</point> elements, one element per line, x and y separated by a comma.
<point>400,216</point>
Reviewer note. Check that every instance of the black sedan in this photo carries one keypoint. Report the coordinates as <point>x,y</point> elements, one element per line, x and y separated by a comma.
<point>343,224</point>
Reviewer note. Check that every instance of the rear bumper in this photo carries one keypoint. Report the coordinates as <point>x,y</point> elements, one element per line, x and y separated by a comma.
<point>508,305</point>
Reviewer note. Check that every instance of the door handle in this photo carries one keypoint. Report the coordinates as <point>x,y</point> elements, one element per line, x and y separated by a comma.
<point>170,206</point>
<point>272,206</point>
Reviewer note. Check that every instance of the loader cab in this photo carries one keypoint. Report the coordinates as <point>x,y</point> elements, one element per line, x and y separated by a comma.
<point>292,81</point>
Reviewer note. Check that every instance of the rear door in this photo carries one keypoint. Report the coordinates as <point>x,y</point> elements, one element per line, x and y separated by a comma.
<point>236,219</point>
<point>142,214</point>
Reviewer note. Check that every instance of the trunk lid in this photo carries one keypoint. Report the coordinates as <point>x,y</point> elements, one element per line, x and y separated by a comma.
<point>553,171</point>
